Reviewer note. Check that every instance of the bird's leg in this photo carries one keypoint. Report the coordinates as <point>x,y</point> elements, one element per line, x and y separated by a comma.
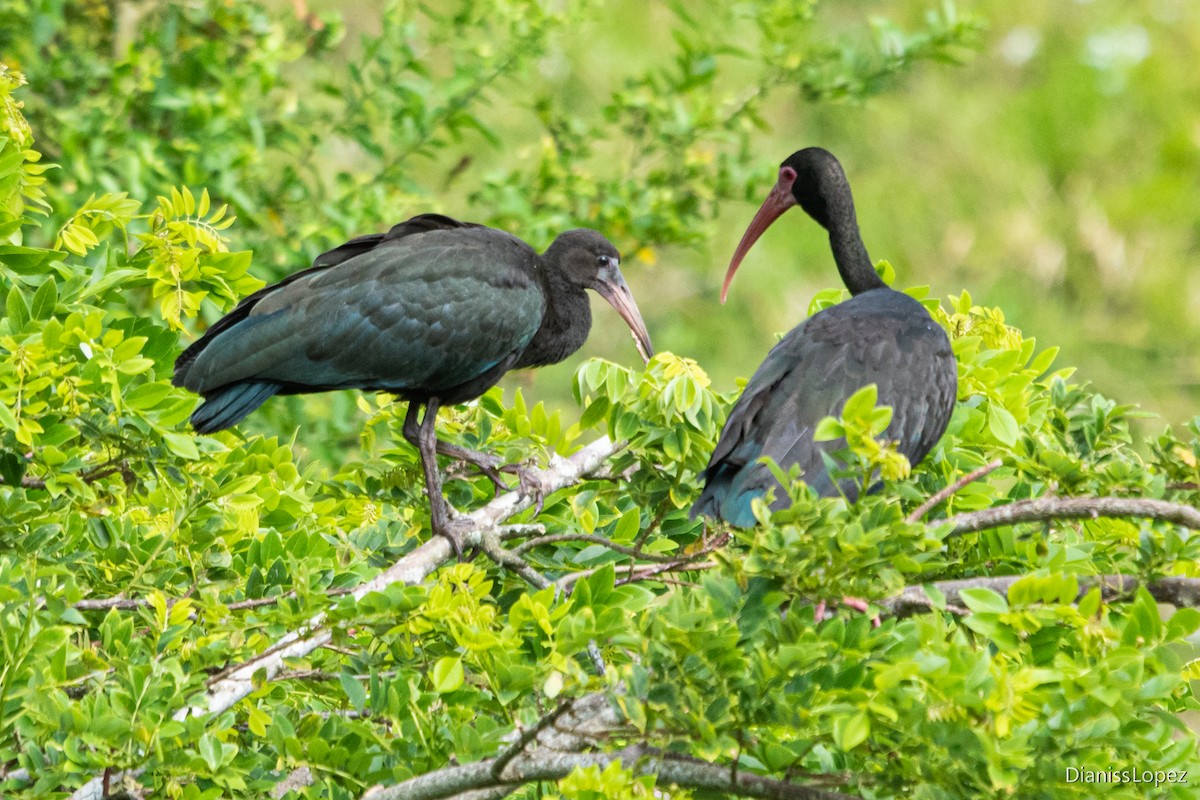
<point>426,442</point>
<point>487,464</point>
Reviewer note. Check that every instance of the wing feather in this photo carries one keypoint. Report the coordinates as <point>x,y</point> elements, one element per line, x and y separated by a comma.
<point>885,339</point>
<point>392,311</point>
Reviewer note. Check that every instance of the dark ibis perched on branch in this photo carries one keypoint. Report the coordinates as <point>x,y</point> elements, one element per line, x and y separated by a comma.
<point>434,311</point>
<point>878,336</point>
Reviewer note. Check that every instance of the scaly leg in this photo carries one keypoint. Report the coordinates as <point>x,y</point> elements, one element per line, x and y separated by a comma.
<point>426,442</point>
<point>488,464</point>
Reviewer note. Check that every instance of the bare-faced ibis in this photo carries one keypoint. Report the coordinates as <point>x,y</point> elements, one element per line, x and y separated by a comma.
<point>434,311</point>
<point>878,336</point>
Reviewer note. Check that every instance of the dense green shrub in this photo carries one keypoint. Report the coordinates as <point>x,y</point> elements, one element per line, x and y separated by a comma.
<point>139,563</point>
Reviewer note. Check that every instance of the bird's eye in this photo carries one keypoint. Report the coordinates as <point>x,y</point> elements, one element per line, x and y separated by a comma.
<point>602,260</point>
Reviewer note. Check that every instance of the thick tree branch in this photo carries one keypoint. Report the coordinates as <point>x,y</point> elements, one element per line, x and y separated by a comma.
<point>1176,591</point>
<point>547,765</point>
<point>1047,508</point>
<point>555,747</point>
<point>226,689</point>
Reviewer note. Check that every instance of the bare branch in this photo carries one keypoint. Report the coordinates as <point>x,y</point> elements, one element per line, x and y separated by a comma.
<point>1176,591</point>
<point>554,538</point>
<point>542,765</point>
<point>87,476</point>
<point>1046,508</point>
<point>945,492</point>
<point>512,751</point>
<point>644,572</point>
<point>105,603</point>
<point>558,742</point>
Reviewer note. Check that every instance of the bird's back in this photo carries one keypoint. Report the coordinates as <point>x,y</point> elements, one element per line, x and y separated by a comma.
<point>880,336</point>
<point>432,307</point>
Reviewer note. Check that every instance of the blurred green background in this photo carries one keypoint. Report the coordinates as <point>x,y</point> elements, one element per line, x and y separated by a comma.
<point>1043,156</point>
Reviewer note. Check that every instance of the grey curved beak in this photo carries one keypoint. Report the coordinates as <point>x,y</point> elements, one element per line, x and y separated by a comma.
<point>610,284</point>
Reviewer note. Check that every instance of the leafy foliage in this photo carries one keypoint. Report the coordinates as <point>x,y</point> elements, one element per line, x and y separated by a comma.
<point>223,545</point>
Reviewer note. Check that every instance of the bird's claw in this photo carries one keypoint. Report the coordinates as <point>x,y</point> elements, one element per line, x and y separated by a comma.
<point>454,531</point>
<point>529,484</point>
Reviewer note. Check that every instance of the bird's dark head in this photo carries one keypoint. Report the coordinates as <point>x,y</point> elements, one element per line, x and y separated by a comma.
<point>589,261</point>
<point>812,179</point>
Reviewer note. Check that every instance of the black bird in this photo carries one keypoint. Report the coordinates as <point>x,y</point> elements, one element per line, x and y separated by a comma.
<point>878,336</point>
<point>434,311</point>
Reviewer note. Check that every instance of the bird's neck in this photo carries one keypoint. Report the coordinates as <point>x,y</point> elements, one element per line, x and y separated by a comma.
<point>565,323</point>
<point>853,263</point>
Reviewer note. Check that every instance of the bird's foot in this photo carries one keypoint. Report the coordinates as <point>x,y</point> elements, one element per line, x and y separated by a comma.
<point>453,529</point>
<point>529,483</point>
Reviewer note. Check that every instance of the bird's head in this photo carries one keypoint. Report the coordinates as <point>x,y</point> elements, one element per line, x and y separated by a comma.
<point>812,179</point>
<point>590,261</point>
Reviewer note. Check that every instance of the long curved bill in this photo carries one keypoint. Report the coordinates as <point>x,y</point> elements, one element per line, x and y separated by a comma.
<point>610,284</point>
<point>778,201</point>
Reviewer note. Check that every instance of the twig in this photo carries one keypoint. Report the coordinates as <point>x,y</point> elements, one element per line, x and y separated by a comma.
<point>128,604</point>
<point>655,571</point>
<point>644,573</point>
<point>945,492</point>
<point>87,476</point>
<point>554,538</point>
<point>1176,591</point>
<point>1047,508</point>
<point>515,749</point>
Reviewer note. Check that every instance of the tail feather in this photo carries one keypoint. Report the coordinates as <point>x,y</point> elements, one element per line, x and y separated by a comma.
<point>231,404</point>
<point>726,497</point>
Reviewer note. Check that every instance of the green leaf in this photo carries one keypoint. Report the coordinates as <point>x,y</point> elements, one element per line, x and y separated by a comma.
<point>596,411</point>
<point>1183,623</point>
<point>354,690</point>
<point>828,429</point>
<point>18,311</point>
<point>182,445</point>
<point>147,395</point>
<point>24,260</point>
<point>210,750</point>
<point>447,675</point>
<point>860,403</point>
<point>1089,604</point>
<point>44,300</point>
<point>1002,424</point>
<point>982,600</point>
<point>849,732</point>
<point>12,466</point>
<point>628,525</point>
